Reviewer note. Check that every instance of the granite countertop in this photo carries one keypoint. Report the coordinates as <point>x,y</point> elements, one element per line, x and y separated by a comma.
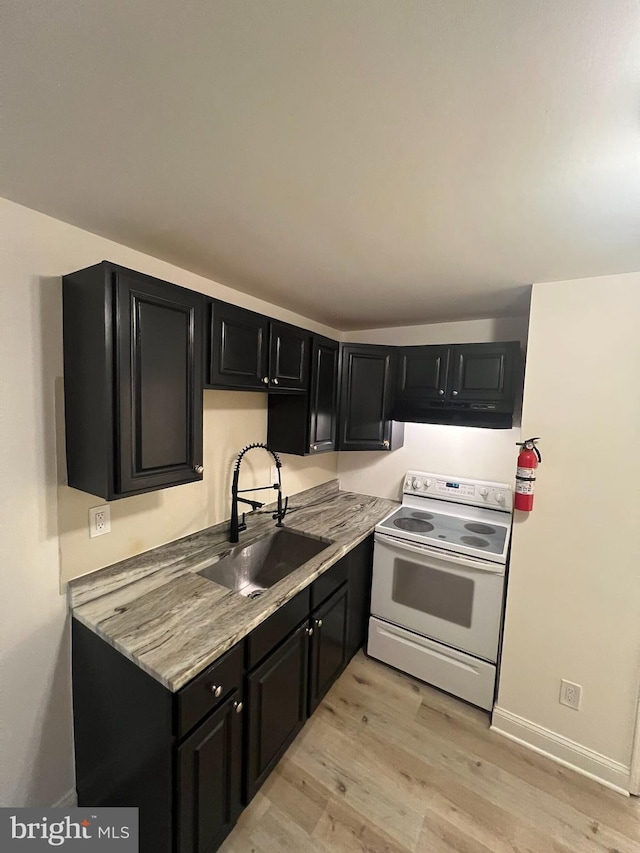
<point>173,623</point>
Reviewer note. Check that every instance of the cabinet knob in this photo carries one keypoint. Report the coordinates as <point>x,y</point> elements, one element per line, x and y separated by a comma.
<point>441,392</point>
<point>265,379</point>
<point>318,623</point>
<point>309,632</point>
<point>314,447</point>
<point>198,469</point>
<point>275,382</point>
<point>238,706</point>
<point>385,443</point>
<point>455,393</point>
<point>216,689</point>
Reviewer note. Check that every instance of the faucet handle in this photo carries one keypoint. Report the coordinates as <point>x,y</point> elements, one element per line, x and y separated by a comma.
<point>282,511</point>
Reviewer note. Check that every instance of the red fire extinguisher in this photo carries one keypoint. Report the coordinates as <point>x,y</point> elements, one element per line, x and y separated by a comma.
<point>528,460</point>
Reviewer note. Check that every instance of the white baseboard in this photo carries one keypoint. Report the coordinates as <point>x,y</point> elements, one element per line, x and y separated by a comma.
<point>70,800</point>
<point>567,752</point>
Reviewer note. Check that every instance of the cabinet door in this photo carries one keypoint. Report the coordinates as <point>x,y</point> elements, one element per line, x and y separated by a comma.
<point>365,399</point>
<point>288,357</point>
<point>276,699</point>
<point>209,779</point>
<point>323,399</point>
<point>328,655</point>
<point>422,372</point>
<point>360,566</point>
<point>483,371</point>
<point>159,384</point>
<point>239,348</point>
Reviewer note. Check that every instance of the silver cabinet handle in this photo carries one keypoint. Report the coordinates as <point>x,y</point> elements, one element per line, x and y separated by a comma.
<point>441,392</point>
<point>198,469</point>
<point>275,382</point>
<point>455,393</point>
<point>265,379</point>
<point>318,623</point>
<point>216,689</point>
<point>238,706</point>
<point>385,443</point>
<point>309,632</point>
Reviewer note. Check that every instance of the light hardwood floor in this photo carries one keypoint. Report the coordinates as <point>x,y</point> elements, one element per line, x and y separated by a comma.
<point>389,764</point>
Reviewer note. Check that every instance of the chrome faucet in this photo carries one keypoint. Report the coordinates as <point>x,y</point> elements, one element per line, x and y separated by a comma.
<point>236,526</point>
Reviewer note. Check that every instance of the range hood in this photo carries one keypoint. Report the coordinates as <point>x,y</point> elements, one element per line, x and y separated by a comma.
<point>479,414</point>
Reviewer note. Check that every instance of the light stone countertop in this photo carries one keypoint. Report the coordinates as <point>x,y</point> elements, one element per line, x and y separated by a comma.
<point>173,623</point>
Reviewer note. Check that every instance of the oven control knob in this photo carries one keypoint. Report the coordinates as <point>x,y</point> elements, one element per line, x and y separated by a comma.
<point>427,484</point>
<point>417,484</point>
<point>500,497</point>
<point>484,492</point>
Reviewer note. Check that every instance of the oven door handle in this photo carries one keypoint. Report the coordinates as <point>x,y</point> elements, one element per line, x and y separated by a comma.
<point>425,551</point>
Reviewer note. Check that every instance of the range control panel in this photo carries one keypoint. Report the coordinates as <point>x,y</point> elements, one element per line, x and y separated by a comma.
<point>472,492</point>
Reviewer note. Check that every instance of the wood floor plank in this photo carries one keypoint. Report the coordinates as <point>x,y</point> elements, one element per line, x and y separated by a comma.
<point>529,804</point>
<point>344,829</point>
<point>390,765</point>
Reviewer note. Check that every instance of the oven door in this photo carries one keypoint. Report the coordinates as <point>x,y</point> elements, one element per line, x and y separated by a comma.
<point>453,599</point>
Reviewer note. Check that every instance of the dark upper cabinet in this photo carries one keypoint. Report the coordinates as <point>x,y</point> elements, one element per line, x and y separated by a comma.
<point>303,424</point>
<point>248,351</point>
<point>209,776</point>
<point>288,357</point>
<point>239,347</point>
<point>133,380</point>
<point>483,371</point>
<point>329,643</point>
<point>277,706</point>
<point>367,386</point>
<point>422,372</point>
<point>466,384</point>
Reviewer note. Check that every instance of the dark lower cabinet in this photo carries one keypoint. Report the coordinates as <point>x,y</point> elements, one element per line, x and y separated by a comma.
<point>359,572</point>
<point>209,776</point>
<point>133,382</point>
<point>277,707</point>
<point>328,655</point>
<point>190,760</point>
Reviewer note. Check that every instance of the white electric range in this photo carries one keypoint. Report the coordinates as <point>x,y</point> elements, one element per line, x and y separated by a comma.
<point>438,583</point>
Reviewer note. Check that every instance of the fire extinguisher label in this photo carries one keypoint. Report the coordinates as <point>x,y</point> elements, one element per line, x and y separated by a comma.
<point>526,473</point>
<point>525,487</point>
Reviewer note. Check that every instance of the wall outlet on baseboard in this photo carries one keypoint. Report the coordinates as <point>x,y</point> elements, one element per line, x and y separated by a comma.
<point>570,694</point>
<point>99,520</point>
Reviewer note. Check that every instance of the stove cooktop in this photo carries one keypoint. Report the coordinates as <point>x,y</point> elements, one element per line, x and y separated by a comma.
<point>481,536</point>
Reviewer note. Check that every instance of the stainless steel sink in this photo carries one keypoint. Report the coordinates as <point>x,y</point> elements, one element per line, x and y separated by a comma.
<point>250,569</point>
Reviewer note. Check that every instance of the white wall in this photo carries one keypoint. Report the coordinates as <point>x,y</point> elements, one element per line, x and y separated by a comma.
<point>573,605</point>
<point>44,523</point>
<point>463,451</point>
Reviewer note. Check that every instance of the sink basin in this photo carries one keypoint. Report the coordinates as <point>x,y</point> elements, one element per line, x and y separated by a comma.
<point>251,569</point>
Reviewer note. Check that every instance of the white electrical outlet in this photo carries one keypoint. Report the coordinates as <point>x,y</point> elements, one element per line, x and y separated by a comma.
<point>99,520</point>
<point>274,474</point>
<point>570,694</point>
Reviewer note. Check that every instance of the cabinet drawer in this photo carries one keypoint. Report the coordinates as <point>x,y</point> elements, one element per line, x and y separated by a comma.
<point>209,689</point>
<point>329,582</point>
<point>273,630</point>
